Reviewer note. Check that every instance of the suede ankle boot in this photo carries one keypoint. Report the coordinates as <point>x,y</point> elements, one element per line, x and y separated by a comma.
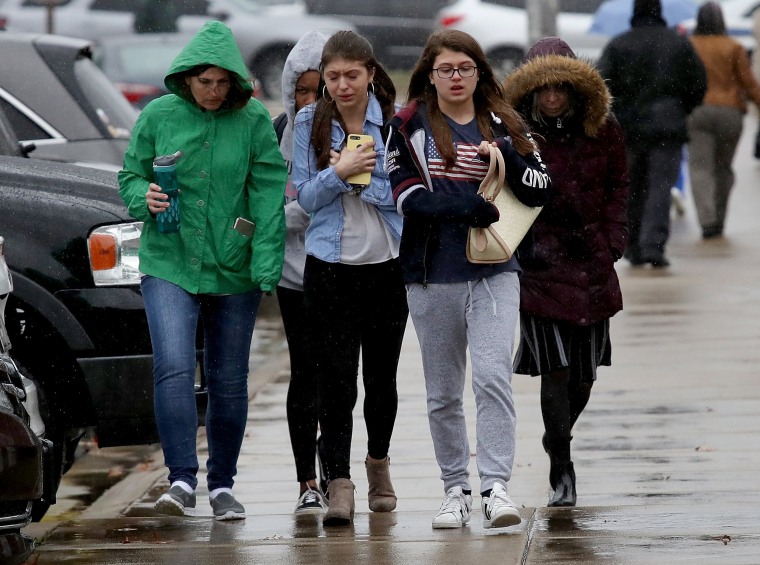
<point>563,483</point>
<point>340,510</point>
<point>382,497</point>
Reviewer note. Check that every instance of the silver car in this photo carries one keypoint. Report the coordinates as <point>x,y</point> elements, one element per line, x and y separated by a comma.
<point>264,34</point>
<point>58,101</point>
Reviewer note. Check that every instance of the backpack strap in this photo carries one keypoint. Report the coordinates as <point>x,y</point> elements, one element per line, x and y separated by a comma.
<point>279,124</point>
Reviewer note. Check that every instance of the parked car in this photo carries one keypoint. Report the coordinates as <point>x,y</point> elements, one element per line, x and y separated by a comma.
<point>397,29</point>
<point>738,16</point>
<point>58,100</point>
<point>26,457</point>
<point>501,28</point>
<point>265,36</point>
<point>137,63</point>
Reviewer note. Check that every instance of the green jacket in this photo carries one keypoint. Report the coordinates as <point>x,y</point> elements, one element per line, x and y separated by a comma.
<point>231,167</point>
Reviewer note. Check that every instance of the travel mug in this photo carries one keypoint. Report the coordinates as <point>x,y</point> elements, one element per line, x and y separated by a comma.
<point>165,176</point>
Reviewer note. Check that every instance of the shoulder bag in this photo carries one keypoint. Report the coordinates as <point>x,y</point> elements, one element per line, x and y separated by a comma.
<point>498,242</point>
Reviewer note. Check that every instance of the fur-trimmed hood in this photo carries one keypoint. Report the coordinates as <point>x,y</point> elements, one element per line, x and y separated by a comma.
<point>551,69</point>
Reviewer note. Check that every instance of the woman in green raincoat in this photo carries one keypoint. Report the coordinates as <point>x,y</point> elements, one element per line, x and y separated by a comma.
<point>228,250</point>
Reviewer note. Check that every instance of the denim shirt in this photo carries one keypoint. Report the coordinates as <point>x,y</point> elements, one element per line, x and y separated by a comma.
<point>320,192</point>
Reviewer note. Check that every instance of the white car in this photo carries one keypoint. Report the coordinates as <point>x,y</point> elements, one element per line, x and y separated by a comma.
<point>738,16</point>
<point>501,28</point>
<point>265,34</point>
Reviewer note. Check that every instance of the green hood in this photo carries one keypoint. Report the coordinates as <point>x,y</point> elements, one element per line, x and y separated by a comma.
<point>214,45</point>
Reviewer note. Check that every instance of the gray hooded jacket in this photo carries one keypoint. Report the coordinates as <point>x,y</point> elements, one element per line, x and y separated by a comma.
<point>305,56</point>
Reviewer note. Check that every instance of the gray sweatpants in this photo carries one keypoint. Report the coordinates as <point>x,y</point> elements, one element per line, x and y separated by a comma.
<point>448,318</point>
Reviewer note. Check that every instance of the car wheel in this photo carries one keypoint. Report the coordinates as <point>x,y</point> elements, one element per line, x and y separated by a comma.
<point>504,60</point>
<point>268,70</point>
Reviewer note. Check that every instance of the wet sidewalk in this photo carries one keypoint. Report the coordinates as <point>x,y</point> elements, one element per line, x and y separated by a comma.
<point>667,453</point>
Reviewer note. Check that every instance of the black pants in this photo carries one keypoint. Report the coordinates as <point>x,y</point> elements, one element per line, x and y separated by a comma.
<point>302,403</point>
<point>653,171</point>
<point>353,309</point>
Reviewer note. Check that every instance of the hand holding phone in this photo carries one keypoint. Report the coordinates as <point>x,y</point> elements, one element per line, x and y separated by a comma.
<point>359,180</point>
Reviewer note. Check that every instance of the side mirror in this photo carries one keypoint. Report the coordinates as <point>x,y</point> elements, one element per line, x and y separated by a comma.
<point>26,147</point>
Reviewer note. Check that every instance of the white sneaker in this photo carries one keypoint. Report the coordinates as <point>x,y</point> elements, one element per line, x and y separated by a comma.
<point>498,509</point>
<point>455,509</point>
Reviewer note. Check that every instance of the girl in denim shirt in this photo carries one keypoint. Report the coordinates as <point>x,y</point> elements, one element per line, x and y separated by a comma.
<point>353,289</point>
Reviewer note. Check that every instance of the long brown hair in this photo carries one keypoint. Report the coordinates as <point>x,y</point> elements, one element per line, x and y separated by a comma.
<point>352,47</point>
<point>488,96</point>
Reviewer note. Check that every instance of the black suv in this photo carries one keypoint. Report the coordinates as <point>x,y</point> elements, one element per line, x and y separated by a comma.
<point>397,29</point>
<point>76,317</point>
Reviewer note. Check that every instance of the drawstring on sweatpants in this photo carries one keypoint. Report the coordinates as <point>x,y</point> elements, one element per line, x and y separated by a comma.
<point>488,289</point>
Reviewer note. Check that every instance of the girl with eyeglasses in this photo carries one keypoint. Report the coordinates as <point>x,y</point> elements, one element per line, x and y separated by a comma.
<point>353,289</point>
<point>436,160</point>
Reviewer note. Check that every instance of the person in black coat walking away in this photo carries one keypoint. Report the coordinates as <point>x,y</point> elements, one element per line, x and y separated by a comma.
<point>569,289</point>
<point>656,79</point>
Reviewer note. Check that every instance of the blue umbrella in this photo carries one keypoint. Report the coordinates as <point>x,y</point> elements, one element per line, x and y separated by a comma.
<point>614,16</point>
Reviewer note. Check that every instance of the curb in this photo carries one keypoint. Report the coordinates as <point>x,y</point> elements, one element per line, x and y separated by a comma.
<point>143,476</point>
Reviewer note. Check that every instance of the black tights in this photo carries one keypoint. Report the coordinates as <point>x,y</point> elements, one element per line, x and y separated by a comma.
<point>355,310</point>
<point>563,398</point>
<point>302,408</point>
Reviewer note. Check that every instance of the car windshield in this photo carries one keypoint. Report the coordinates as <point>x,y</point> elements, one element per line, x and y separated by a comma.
<point>147,60</point>
<point>113,111</point>
<point>247,5</point>
<point>572,6</point>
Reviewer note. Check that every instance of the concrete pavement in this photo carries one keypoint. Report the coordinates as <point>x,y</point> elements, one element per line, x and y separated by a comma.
<point>667,453</point>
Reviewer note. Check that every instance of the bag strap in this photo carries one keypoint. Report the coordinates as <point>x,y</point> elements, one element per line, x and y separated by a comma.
<point>494,179</point>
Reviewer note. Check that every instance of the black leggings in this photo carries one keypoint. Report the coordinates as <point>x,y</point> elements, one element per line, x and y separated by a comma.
<point>302,392</point>
<point>353,308</point>
<point>562,400</point>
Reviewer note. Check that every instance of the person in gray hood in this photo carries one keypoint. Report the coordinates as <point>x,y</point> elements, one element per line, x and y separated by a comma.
<point>300,81</point>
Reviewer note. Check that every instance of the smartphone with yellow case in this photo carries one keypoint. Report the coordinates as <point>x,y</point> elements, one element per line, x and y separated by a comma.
<point>360,180</point>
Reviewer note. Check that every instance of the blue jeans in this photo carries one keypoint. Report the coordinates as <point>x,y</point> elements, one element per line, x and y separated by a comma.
<point>228,321</point>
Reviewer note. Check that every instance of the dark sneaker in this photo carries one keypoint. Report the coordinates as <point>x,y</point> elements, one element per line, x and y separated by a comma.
<point>225,507</point>
<point>311,502</point>
<point>498,509</point>
<point>176,502</point>
<point>322,470</point>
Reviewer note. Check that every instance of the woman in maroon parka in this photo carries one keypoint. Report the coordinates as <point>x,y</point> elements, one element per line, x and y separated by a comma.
<point>569,288</point>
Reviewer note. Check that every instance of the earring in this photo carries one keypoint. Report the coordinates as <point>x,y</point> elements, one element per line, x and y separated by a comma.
<point>326,96</point>
<point>371,86</point>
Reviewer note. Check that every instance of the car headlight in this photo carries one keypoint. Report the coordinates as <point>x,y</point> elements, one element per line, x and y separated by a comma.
<point>113,254</point>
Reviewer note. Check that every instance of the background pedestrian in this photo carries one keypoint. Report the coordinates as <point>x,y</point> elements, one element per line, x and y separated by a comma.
<point>656,80</point>
<point>716,125</point>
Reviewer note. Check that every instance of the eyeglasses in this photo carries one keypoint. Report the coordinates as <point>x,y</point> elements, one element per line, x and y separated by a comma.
<point>221,84</point>
<point>448,72</point>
